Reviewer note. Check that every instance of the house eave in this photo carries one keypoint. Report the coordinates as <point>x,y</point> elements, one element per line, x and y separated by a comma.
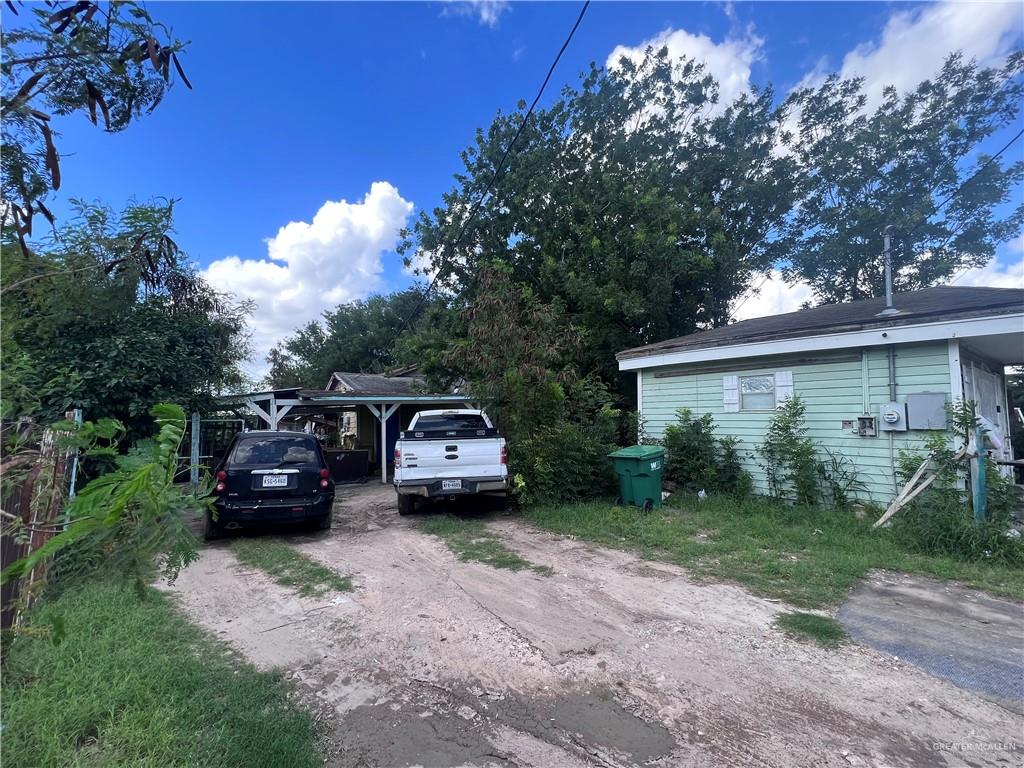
<point>876,336</point>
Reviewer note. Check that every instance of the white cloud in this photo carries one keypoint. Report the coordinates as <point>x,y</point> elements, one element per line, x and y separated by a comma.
<point>915,43</point>
<point>729,61</point>
<point>773,297</point>
<point>994,275</point>
<point>314,266</point>
<point>488,12</point>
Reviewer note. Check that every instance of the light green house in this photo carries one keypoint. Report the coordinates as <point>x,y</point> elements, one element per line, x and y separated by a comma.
<point>874,382</point>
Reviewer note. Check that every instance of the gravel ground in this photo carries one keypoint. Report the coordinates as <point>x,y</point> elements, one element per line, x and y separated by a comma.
<point>609,661</point>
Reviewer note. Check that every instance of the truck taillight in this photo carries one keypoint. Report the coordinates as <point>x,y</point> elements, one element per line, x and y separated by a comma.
<point>398,458</point>
<point>504,454</point>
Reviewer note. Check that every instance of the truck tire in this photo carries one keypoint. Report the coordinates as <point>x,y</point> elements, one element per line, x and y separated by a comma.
<point>406,505</point>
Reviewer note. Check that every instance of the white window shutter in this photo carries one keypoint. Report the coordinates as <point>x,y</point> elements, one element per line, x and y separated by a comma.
<point>783,386</point>
<point>731,393</point>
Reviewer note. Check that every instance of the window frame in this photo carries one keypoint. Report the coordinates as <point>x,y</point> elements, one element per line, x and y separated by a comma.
<point>774,392</point>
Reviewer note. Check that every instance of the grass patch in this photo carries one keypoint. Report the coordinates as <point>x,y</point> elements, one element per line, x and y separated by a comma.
<point>471,541</point>
<point>824,630</point>
<point>132,682</point>
<point>289,567</point>
<point>808,557</point>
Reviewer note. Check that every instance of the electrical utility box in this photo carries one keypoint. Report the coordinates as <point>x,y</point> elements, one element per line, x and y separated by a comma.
<point>926,410</point>
<point>892,417</point>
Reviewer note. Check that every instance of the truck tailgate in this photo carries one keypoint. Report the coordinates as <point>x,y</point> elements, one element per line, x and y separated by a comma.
<point>451,458</point>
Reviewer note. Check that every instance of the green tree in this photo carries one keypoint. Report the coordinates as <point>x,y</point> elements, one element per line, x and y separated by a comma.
<point>362,336</point>
<point>111,317</point>
<point>864,168</point>
<point>112,62</point>
<point>640,222</point>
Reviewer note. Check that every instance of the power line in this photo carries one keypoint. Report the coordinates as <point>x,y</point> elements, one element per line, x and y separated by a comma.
<point>494,176</point>
<point>978,172</point>
<point>960,226</point>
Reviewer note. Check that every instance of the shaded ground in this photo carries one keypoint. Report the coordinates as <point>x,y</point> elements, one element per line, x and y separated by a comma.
<point>962,635</point>
<point>608,661</point>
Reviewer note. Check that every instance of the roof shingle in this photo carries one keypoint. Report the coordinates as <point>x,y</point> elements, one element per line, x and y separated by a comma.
<point>926,305</point>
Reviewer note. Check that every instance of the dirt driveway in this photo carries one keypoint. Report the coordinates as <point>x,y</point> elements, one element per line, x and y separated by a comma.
<point>608,661</point>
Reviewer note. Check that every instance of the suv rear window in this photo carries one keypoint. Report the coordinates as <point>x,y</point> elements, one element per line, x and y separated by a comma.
<point>450,422</point>
<point>274,450</point>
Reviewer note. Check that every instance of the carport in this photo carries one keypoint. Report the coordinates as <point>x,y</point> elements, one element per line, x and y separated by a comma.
<point>383,405</point>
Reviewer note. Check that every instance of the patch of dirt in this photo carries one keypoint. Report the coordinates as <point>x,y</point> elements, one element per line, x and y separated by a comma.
<point>609,661</point>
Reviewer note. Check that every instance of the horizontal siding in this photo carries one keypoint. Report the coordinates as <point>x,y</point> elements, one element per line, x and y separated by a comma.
<point>832,391</point>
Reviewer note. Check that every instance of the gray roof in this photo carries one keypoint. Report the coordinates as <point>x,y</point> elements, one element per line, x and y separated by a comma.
<point>927,305</point>
<point>379,384</point>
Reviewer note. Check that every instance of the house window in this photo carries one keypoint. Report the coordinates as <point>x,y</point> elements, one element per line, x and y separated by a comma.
<point>757,393</point>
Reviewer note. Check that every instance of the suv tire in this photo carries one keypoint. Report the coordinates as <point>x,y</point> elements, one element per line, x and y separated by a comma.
<point>211,529</point>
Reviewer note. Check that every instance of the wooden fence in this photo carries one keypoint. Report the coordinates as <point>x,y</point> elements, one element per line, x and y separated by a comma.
<point>32,501</point>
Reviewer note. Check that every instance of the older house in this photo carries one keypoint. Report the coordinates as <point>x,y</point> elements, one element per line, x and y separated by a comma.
<point>874,382</point>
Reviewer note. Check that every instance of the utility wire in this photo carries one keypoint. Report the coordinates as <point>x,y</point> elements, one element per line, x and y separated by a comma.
<point>494,177</point>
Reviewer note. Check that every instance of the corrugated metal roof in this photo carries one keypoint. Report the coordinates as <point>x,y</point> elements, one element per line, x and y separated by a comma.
<point>927,305</point>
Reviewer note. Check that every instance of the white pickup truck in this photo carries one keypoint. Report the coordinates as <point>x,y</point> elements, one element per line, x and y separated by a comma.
<point>448,454</point>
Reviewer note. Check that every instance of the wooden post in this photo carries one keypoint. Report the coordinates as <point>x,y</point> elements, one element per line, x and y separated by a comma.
<point>193,470</point>
<point>383,444</point>
<point>981,484</point>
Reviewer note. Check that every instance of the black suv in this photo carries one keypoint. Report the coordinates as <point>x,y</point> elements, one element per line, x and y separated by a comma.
<point>271,477</point>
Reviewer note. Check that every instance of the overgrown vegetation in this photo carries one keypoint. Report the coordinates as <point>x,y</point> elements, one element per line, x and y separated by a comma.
<point>808,556</point>
<point>518,358</point>
<point>127,520</point>
<point>941,519</point>
<point>106,676</point>
<point>823,630</point>
<point>793,465</point>
<point>698,460</point>
<point>111,317</point>
<point>289,567</point>
<point>470,541</point>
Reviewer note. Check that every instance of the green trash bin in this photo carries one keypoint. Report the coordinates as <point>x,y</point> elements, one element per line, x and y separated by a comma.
<point>639,468</point>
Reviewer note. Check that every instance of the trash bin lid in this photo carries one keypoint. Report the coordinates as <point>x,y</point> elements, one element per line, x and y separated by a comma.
<point>639,452</point>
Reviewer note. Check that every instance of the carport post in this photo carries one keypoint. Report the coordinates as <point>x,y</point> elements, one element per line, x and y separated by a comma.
<point>383,444</point>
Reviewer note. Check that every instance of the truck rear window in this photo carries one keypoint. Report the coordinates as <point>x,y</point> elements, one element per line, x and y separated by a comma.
<point>450,422</point>
<point>274,450</point>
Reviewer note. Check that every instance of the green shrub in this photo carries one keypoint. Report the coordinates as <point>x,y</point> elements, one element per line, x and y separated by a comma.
<point>690,451</point>
<point>566,461</point>
<point>790,462</point>
<point>696,460</point>
<point>940,522</point>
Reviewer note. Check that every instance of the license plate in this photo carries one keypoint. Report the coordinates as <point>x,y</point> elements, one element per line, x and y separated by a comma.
<point>451,485</point>
<point>275,481</point>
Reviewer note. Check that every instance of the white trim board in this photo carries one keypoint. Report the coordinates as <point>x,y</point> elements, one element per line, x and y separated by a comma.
<point>898,334</point>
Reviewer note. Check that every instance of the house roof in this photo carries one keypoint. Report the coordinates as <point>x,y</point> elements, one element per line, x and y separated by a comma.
<point>927,305</point>
<point>367,384</point>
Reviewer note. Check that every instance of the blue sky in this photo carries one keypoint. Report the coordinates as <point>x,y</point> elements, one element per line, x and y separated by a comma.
<point>358,111</point>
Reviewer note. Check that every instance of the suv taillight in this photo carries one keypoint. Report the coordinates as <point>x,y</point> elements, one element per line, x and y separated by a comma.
<point>325,475</point>
<point>398,458</point>
<point>221,485</point>
<point>504,454</point>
